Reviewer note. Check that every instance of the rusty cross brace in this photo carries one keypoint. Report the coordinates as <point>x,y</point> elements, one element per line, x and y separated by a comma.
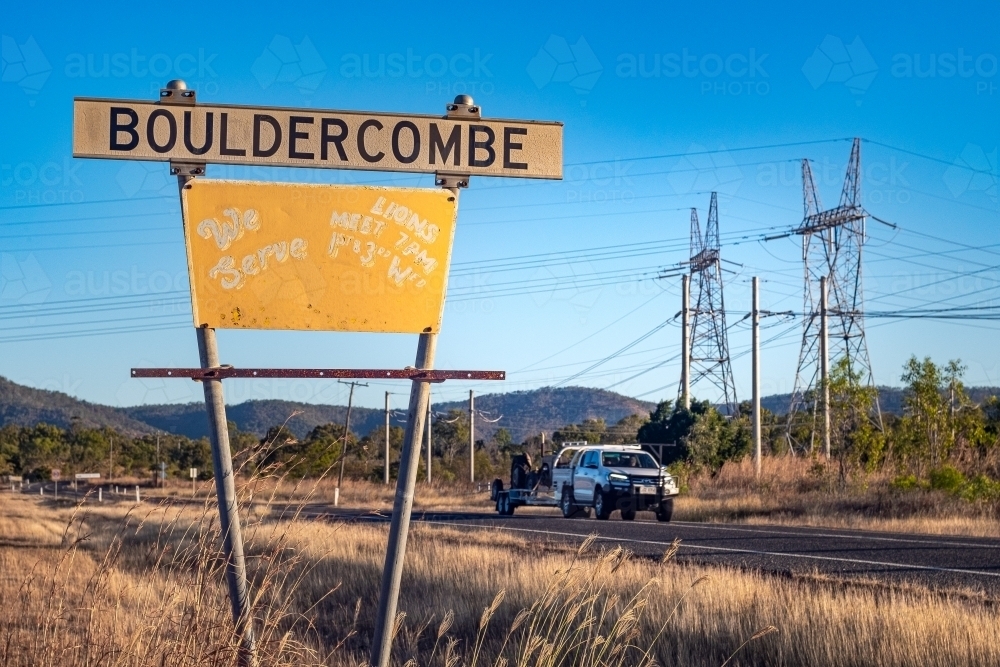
<point>227,372</point>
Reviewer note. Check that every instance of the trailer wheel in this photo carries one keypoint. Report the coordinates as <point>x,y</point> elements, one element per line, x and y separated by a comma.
<point>628,514</point>
<point>495,488</point>
<point>508,506</point>
<point>665,510</point>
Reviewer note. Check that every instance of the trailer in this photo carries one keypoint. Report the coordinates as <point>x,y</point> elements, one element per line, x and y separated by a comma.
<point>535,488</point>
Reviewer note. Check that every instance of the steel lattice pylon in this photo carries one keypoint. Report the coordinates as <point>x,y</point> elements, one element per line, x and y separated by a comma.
<point>709,343</point>
<point>831,246</point>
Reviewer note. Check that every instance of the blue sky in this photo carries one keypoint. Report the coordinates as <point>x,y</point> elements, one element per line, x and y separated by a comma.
<point>710,97</point>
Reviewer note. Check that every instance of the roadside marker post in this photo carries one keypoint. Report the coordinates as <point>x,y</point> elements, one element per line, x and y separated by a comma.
<point>410,273</point>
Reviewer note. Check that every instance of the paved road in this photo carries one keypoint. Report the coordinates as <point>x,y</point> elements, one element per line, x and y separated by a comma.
<point>966,563</point>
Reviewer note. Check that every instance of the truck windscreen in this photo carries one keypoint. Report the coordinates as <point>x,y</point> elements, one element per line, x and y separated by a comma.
<point>628,460</point>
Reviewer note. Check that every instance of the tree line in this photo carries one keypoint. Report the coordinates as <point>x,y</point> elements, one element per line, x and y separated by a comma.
<point>34,451</point>
<point>943,439</point>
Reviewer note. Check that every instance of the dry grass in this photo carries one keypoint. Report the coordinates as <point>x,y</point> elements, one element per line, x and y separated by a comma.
<point>802,492</point>
<point>118,585</point>
<point>791,491</point>
<point>356,494</point>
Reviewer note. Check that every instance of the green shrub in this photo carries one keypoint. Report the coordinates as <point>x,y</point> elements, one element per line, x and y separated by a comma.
<point>906,483</point>
<point>980,487</point>
<point>947,478</point>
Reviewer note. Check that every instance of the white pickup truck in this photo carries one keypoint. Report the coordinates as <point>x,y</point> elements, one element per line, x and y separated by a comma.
<point>603,477</point>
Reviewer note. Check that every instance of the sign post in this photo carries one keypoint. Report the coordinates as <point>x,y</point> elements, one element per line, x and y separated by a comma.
<point>225,484</point>
<point>194,481</point>
<point>326,258</point>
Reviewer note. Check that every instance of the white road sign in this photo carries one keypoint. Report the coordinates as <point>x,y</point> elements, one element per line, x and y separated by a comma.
<point>87,475</point>
<point>221,134</point>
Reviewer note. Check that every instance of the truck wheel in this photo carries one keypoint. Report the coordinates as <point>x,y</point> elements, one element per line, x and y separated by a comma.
<point>602,508</point>
<point>508,506</point>
<point>569,508</point>
<point>665,510</point>
<point>495,488</point>
<point>628,514</point>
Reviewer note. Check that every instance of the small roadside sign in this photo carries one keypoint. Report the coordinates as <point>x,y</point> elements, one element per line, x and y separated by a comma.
<point>193,472</point>
<point>317,257</point>
<point>56,474</point>
<point>226,134</point>
<point>87,475</point>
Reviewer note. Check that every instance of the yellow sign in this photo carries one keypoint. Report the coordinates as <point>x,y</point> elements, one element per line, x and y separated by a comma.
<point>317,257</point>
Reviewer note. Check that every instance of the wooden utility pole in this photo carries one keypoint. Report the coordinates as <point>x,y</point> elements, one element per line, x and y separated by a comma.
<point>385,476</point>
<point>472,437</point>
<point>755,317</point>
<point>430,427</point>
<point>347,433</point>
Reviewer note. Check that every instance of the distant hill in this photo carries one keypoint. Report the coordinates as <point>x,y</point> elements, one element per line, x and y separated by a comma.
<point>524,413</point>
<point>527,413</point>
<point>256,417</point>
<point>26,406</point>
<point>890,399</point>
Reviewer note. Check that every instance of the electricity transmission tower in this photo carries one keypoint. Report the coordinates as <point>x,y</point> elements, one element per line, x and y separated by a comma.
<point>709,345</point>
<point>831,247</point>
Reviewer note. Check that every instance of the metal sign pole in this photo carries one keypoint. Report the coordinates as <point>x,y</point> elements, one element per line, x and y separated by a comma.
<point>430,442</point>
<point>402,506</point>
<point>420,397</point>
<point>222,459</point>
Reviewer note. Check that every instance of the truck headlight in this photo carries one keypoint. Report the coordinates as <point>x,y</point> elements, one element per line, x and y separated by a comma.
<point>618,479</point>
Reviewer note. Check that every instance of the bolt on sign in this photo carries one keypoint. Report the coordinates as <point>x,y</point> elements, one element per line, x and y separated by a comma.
<point>317,257</point>
<point>224,134</point>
